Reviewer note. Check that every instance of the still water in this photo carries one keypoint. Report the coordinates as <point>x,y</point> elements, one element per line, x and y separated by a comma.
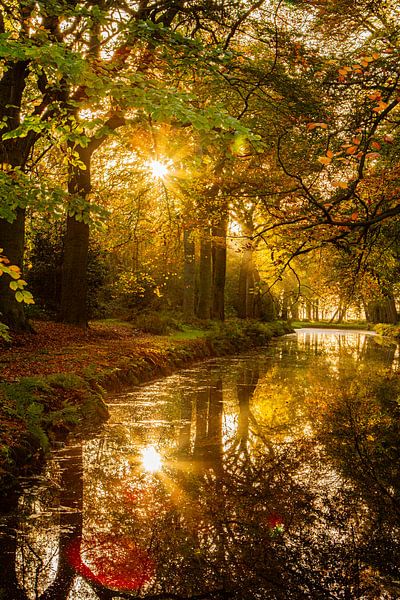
<point>272,475</point>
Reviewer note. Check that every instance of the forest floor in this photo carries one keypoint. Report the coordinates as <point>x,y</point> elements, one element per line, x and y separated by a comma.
<point>56,347</point>
<point>55,380</point>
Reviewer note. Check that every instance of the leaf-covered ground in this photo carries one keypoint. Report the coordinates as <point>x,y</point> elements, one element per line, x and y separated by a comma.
<point>59,348</point>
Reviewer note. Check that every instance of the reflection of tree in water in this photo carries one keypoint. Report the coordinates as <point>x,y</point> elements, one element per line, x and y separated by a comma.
<point>37,564</point>
<point>297,499</point>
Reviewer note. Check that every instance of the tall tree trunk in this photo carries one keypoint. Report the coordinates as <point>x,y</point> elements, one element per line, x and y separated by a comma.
<point>188,273</point>
<point>285,305</point>
<point>73,306</point>
<point>294,310</point>
<point>243,291</point>
<point>316,310</point>
<point>219,232</point>
<point>13,152</point>
<point>204,300</point>
<point>382,310</point>
<point>12,240</point>
<point>308,310</point>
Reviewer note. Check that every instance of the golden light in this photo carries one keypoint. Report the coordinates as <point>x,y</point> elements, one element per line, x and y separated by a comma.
<point>158,169</point>
<point>151,459</point>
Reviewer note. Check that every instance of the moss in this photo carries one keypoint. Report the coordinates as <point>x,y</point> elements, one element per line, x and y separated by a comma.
<point>45,409</point>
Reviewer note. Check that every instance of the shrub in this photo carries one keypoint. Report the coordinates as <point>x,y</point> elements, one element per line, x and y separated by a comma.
<point>156,323</point>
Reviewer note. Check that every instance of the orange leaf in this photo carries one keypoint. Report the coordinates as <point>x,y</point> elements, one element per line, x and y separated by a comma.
<point>388,138</point>
<point>351,150</point>
<point>330,154</point>
<point>375,95</point>
<point>376,145</point>
<point>381,106</point>
<point>312,126</point>
<point>354,216</point>
<point>356,141</point>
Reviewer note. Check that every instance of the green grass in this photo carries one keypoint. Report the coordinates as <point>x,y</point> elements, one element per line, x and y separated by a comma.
<point>188,333</point>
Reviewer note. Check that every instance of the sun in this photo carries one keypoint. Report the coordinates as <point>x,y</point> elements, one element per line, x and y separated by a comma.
<point>151,459</point>
<point>159,170</point>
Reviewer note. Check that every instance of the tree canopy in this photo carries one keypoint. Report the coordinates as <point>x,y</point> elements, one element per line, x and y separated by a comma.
<point>208,157</point>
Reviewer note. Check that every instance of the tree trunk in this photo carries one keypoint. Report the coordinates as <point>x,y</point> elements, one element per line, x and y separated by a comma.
<point>308,310</point>
<point>13,152</point>
<point>188,273</point>
<point>243,291</point>
<point>204,300</point>
<point>316,310</point>
<point>294,311</point>
<point>219,232</point>
<point>73,306</point>
<point>285,305</point>
<point>12,240</point>
<point>382,310</point>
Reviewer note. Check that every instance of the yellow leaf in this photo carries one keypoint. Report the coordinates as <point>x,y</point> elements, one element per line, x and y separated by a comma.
<point>324,160</point>
<point>340,184</point>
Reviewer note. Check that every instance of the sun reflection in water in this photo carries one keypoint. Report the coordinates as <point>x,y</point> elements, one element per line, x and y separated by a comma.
<point>151,459</point>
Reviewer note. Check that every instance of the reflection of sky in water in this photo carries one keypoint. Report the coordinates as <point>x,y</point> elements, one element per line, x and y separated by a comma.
<point>232,475</point>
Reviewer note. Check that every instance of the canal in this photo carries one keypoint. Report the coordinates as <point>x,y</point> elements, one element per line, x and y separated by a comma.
<point>270,475</point>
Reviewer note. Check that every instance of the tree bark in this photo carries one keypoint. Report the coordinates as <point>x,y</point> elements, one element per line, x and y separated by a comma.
<point>243,291</point>
<point>188,273</point>
<point>285,305</point>
<point>12,240</point>
<point>382,310</point>
<point>219,232</point>
<point>13,152</point>
<point>73,305</point>
<point>248,305</point>
<point>204,300</point>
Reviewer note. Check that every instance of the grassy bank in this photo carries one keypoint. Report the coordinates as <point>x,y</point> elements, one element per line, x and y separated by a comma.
<point>55,381</point>
<point>359,325</point>
<point>388,330</point>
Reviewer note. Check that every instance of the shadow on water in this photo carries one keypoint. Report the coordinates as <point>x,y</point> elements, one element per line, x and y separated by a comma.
<point>267,476</point>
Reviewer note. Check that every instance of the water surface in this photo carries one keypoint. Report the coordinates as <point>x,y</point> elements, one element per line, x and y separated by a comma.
<point>272,475</point>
